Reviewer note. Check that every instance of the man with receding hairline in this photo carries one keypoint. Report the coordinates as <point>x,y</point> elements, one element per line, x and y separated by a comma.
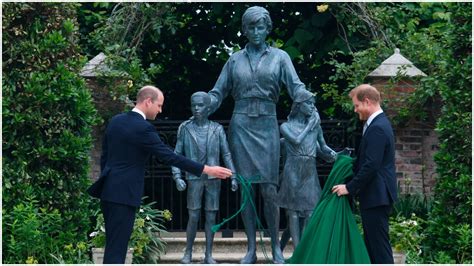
<point>128,143</point>
<point>374,181</point>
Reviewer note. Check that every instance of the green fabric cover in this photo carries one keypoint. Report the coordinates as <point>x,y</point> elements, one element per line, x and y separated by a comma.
<point>332,235</point>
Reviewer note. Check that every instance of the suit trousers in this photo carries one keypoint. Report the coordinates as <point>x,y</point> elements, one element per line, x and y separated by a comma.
<point>119,220</point>
<point>375,224</point>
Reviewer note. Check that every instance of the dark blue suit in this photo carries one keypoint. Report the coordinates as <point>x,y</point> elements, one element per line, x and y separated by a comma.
<point>375,184</point>
<point>128,143</point>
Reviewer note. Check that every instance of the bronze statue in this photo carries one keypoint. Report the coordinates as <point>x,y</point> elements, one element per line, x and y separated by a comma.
<point>253,77</point>
<point>303,140</point>
<point>203,141</point>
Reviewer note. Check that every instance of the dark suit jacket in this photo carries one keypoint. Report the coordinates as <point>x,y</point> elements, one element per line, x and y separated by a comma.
<point>374,180</point>
<point>128,143</point>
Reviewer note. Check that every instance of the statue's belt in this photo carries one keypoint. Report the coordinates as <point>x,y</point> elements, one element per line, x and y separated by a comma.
<point>254,107</point>
<point>302,155</point>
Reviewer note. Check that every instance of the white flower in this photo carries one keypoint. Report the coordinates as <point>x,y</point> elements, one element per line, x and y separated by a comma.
<point>322,8</point>
<point>141,210</point>
<point>148,218</point>
<point>94,234</point>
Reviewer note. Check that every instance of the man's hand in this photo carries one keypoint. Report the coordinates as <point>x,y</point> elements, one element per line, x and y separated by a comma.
<point>341,190</point>
<point>180,184</point>
<point>217,171</point>
<point>235,185</point>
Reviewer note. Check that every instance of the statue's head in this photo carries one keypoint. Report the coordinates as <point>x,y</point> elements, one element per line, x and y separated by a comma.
<point>200,104</point>
<point>303,102</point>
<point>256,17</point>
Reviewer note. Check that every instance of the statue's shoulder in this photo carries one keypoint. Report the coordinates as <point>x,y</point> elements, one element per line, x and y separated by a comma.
<point>184,125</point>
<point>215,125</point>
<point>236,55</point>
<point>279,52</point>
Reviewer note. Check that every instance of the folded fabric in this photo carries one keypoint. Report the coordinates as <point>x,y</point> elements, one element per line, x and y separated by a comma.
<point>332,236</point>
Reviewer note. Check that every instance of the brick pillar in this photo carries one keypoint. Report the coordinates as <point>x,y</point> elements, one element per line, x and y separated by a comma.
<point>415,141</point>
<point>415,145</point>
<point>106,107</point>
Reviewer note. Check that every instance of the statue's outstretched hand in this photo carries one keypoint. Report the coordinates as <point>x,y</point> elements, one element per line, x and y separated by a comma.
<point>346,151</point>
<point>235,184</point>
<point>180,184</point>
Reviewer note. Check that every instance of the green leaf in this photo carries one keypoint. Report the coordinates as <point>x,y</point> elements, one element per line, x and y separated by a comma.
<point>302,36</point>
<point>292,52</point>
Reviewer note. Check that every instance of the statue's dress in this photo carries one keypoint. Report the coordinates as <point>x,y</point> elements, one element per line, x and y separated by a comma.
<point>332,235</point>
<point>300,189</point>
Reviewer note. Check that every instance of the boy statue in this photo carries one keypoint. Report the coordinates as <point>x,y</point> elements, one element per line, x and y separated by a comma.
<point>203,141</point>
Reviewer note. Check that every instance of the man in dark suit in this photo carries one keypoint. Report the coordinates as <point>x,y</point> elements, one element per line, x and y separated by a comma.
<point>128,142</point>
<point>374,181</point>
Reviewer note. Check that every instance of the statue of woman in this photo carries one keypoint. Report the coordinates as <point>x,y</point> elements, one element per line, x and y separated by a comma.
<point>253,77</point>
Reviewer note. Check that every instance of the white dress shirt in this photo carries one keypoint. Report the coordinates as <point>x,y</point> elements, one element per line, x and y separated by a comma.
<point>371,118</point>
<point>139,111</point>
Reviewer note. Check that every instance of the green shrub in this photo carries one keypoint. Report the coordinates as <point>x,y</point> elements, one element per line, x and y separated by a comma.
<point>47,118</point>
<point>146,239</point>
<point>409,204</point>
<point>406,235</point>
<point>452,208</point>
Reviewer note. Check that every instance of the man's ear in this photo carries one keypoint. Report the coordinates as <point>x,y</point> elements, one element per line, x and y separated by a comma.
<point>367,101</point>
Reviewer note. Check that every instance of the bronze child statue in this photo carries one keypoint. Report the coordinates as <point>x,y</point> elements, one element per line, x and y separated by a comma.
<point>203,141</point>
<point>303,141</point>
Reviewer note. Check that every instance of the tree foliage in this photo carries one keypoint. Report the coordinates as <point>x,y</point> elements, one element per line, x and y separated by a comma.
<point>47,118</point>
<point>183,49</point>
<point>452,231</point>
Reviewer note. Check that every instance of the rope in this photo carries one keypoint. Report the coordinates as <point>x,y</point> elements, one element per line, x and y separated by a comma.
<point>246,190</point>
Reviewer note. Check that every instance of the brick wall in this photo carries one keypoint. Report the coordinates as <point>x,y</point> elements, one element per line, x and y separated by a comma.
<point>415,147</point>
<point>415,141</point>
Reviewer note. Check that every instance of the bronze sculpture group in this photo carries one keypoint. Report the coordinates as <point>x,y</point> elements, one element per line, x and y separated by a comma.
<point>253,77</point>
